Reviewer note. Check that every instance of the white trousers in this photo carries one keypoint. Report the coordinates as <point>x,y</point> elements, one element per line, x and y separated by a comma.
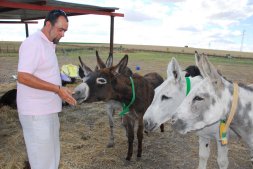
<point>41,134</point>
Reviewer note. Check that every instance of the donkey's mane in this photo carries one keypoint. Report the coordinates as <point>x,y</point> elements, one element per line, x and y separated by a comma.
<point>193,71</point>
<point>246,87</point>
<point>224,77</point>
<point>137,75</point>
<point>250,88</point>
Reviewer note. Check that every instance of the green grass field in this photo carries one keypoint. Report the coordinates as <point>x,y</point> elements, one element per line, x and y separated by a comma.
<point>142,56</point>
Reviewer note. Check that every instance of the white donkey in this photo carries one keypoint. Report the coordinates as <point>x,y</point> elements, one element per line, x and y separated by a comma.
<point>168,96</point>
<point>210,101</point>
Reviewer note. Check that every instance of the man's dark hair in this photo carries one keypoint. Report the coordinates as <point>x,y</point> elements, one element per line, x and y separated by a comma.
<point>53,15</point>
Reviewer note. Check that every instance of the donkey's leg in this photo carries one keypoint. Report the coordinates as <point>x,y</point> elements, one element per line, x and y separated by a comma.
<point>247,138</point>
<point>110,112</point>
<point>204,151</point>
<point>249,142</point>
<point>140,135</point>
<point>251,156</point>
<point>130,134</point>
<point>222,157</point>
<point>162,127</point>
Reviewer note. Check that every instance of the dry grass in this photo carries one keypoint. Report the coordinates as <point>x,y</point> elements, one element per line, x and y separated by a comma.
<point>85,133</point>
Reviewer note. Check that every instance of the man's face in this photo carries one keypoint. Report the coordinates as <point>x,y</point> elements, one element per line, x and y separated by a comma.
<point>57,31</point>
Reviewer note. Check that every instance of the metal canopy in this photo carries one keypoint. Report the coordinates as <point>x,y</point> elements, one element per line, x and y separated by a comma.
<point>26,10</point>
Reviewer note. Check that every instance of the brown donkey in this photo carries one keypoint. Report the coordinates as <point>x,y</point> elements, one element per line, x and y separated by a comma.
<point>109,84</point>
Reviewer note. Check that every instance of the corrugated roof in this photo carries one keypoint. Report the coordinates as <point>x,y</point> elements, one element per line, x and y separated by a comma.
<point>37,9</point>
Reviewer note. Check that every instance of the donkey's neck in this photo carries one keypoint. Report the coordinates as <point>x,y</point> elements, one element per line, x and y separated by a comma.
<point>143,91</point>
<point>242,122</point>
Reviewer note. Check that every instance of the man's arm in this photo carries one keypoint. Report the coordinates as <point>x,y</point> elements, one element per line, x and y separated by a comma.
<point>34,82</point>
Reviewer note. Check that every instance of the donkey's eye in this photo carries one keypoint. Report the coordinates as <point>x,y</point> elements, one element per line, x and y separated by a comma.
<point>165,97</point>
<point>197,98</point>
<point>101,80</point>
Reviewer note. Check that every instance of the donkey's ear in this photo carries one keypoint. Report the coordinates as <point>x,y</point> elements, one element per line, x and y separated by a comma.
<point>81,72</point>
<point>121,66</point>
<point>198,61</point>
<point>86,69</point>
<point>174,70</point>
<point>197,58</point>
<point>109,60</point>
<point>80,60</point>
<point>100,63</point>
<point>211,72</point>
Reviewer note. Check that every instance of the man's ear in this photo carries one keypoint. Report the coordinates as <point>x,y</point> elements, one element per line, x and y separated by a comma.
<point>48,24</point>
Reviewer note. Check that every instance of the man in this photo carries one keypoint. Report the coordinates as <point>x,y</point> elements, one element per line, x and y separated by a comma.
<point>39,92</point>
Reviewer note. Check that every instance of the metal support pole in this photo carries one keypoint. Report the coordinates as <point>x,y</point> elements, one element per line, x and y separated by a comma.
<point>111,35</point>
<point>26,30</point>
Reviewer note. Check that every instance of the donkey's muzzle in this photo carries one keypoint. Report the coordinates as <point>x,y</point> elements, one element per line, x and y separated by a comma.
<point>149,125</point>
<point>81,93</point>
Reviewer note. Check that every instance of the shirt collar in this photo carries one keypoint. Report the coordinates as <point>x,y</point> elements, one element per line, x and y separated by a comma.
<point>43,36</point>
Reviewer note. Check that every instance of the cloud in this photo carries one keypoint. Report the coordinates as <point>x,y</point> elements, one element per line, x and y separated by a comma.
<point>197,23</point>
<point>232,15</point>
<point>136,16</point>
<point>190,29</point>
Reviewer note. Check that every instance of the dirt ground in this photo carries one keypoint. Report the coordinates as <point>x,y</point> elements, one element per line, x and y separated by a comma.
<point>85,133</point>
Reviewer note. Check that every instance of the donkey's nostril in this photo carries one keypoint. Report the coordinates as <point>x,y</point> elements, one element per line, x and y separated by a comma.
<point>149,125</point>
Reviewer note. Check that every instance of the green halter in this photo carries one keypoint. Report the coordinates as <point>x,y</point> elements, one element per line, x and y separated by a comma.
<point>126,108</point>
<point>188,85</point>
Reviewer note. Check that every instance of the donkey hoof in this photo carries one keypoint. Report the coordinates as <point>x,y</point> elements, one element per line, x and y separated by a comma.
<point>138,155</point>
<point>128,158</point>
<point>162,127</point>
<point>138,158</point>
<point>27,165</point>
<point>127,163</point>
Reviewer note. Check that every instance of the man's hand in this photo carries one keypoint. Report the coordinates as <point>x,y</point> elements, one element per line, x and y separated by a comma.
<point>66,95</point>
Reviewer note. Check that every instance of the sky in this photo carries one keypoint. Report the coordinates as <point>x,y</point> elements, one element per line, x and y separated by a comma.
<point>209,24</point>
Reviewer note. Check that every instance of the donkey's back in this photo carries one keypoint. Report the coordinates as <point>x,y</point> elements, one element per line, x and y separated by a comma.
<point>154,79</point>
<point>9,99</point>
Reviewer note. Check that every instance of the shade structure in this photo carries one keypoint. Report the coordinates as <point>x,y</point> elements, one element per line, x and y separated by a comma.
<point>26,11</point>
